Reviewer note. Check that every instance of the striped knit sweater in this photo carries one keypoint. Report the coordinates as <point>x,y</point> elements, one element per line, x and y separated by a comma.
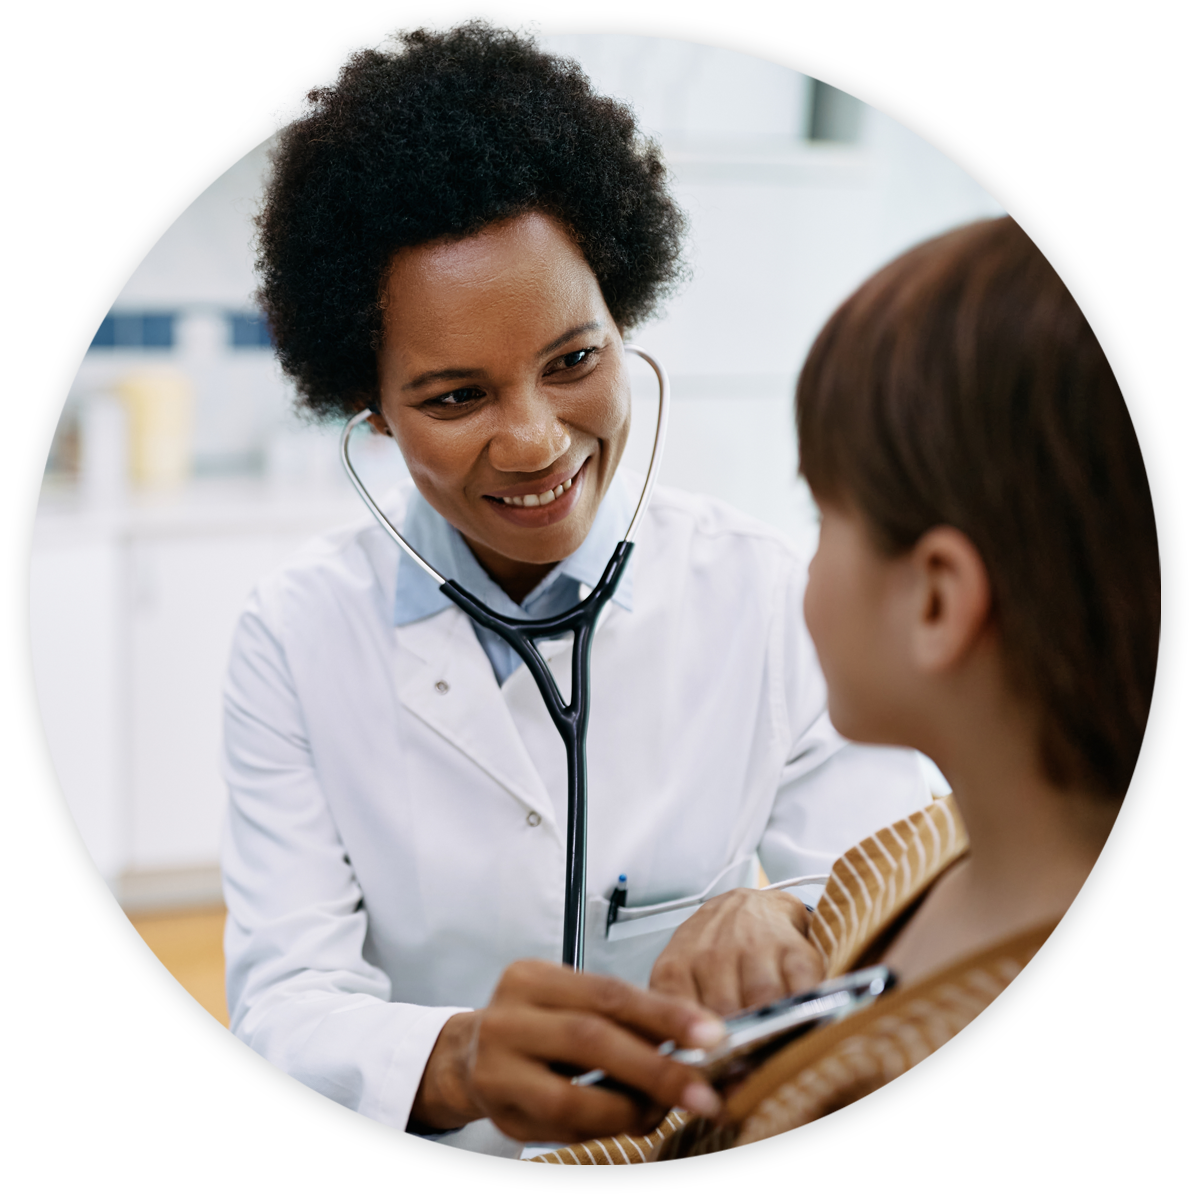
<point>1077,1080</point>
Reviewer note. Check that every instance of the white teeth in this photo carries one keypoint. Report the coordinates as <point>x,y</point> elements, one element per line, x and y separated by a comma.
<point>532,501</point>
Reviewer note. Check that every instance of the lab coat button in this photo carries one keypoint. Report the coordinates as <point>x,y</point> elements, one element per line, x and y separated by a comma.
<point>533,819</point>
<point>442,686</point>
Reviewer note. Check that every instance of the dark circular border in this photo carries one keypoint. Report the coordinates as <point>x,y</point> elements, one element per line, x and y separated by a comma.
<point>729,1168</point>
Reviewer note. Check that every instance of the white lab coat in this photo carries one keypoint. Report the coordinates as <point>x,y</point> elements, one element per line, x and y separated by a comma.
<point>396,829</point>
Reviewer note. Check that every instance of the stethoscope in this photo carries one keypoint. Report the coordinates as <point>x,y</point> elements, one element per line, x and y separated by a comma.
<point>571,719</point>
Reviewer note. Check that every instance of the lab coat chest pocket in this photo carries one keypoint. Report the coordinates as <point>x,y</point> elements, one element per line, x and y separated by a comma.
<point>629,947</point>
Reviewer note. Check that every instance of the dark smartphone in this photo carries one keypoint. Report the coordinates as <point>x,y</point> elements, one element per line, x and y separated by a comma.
<point>754,1034</point>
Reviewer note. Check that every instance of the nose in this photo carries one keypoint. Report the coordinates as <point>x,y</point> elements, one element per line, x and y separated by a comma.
<point>529,437</point>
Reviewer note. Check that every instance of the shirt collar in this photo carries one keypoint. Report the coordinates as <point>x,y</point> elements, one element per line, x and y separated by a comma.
<point>428,532</point>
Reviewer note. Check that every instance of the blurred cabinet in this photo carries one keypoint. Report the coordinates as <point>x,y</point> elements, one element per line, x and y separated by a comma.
<point>185,594</point>
<point>132,611</point>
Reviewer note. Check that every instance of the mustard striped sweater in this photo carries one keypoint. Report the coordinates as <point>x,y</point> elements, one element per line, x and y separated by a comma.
<point>1077,1080</point>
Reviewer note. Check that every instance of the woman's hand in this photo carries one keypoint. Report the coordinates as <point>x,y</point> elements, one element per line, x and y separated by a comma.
<point>497,1062</point>
<point>743,948</point>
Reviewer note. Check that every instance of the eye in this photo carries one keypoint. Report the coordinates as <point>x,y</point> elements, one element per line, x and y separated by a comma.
<point>571,361</point>
<point>459,398</point>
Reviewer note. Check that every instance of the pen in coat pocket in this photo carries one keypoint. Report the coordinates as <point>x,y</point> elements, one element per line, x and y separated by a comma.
<point>619,895</point>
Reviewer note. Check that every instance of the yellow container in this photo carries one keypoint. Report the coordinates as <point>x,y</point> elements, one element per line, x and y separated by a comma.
<point>161,406</point>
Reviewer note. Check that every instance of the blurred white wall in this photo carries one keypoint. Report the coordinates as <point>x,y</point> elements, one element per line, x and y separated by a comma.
<point>782,228</point>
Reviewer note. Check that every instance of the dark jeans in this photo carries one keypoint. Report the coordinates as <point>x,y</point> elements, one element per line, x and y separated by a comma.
<point>154,1138</point>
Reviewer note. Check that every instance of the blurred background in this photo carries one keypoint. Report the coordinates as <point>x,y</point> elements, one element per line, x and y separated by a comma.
<point>180,474</point>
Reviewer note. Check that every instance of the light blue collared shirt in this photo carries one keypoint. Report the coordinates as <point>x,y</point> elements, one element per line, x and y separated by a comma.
<point>442,546</point>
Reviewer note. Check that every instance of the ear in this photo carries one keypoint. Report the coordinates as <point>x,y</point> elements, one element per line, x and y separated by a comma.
<point>954,598</point>
<point>378,424</point>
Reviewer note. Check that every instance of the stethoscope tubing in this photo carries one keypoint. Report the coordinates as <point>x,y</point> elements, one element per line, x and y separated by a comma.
<point>570,717</point>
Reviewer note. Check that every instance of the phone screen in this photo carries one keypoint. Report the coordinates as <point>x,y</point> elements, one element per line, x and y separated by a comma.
<point>755,1034</point>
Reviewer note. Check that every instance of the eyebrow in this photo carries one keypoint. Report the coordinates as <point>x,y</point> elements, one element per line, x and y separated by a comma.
<point>448,373</point>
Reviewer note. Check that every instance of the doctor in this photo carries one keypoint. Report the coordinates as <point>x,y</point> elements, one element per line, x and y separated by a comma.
<point>465,262</point>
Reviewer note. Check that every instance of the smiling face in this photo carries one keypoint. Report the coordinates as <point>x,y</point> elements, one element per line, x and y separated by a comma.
<point>502,378</point>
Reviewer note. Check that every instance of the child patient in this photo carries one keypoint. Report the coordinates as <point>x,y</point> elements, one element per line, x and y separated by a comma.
<point>986,589</point>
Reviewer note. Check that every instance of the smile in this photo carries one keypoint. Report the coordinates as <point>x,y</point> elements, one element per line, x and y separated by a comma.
<point>537,510</point>
<point>539,500</point>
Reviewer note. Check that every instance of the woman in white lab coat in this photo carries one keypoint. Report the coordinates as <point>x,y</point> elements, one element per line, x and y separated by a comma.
<point>458,236</point>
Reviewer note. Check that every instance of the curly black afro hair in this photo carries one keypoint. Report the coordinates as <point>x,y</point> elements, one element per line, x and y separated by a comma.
<point>451,132</point>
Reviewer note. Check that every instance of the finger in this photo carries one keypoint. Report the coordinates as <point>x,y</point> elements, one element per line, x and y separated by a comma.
<point>534,1101</point>
<point>672,976</point>
<point>530,1103</point>
<point>655,1015</point>
<point>802,967</point>
<point>661,1078</point>
<point>762,978</point>
<point>719,979</point>
<point>589,1040</point>
<point>797,912</point>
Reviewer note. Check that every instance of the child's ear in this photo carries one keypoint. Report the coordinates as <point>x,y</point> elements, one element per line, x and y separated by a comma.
<point>953,598</point>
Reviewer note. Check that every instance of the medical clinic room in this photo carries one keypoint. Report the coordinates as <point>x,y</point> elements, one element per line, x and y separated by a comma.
<point>279,806</point>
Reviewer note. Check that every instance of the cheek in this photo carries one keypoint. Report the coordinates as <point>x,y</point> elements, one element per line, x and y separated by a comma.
<point>812,608</point>
<point>834,616</point>
<point>604,414</point>
<point>436,453</point>
<point>821,604</point>
<point>618,425</point>
<point>620,414</point>
<point>604,410</point>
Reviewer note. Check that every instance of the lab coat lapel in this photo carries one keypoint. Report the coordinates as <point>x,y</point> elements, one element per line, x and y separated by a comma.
<point>446,680</point>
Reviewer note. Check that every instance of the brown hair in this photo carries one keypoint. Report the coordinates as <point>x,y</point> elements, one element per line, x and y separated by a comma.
<point>962,386</point>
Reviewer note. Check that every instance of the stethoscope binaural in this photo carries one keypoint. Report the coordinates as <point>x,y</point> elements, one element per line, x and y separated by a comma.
<point>571,719</point>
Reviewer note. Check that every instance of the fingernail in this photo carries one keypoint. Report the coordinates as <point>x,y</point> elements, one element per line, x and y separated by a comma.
<point>706,1032</point>
<point>699,1098</point>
